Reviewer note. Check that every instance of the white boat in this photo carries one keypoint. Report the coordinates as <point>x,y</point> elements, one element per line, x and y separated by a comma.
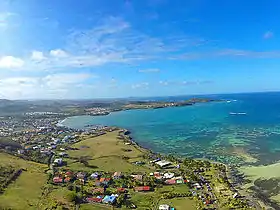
<point>238,113</point>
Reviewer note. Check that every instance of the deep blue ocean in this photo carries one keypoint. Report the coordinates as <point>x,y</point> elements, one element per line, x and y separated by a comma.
<point>205,130</point>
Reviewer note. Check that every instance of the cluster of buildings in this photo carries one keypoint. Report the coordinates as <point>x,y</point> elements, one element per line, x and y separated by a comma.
<point>37,138</point>
<point>44,113</point>
<point>97,111</point>
<point>107,187</point>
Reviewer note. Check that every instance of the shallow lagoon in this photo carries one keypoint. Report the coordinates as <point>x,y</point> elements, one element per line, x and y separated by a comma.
<point>205,130</point>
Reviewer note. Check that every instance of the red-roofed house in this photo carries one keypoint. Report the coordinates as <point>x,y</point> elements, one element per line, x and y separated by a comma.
<point>170,181</point>
<point>142,189</point>
<point>69,173</point>
<point>94,200</point>
<point>57,179</point>
<point>67,179</point>
<point>121,190</point>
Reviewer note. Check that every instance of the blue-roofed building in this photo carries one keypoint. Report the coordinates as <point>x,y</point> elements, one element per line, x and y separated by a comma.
<point>109,199</point>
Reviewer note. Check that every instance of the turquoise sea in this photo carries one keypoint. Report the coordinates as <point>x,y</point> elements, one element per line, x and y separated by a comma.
<point>205,130</point>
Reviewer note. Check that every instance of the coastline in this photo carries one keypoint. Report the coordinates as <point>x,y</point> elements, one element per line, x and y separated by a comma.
<point>232,177</point>
<point>154,105</point>
<point>236,186</point>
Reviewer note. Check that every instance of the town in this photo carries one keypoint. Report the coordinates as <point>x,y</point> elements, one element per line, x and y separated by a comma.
<point>102,167</point>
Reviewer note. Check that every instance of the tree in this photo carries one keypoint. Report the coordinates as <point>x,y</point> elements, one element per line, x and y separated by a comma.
<point>72,196</point>
<point>70,187</point>
<point>120,199</point>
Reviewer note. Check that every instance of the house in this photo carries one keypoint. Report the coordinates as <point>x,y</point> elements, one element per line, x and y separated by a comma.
<point>105,181</point>
<point>68,173</point>
<point>117,175</point>
<point>139,163</point>
<point>94,175</point>
<point>142,189</point>
<point>170,181</point>
<point>67,179</point>
<point>164,207</point>
<point>197,186</point>
<point>20,151</point>
<point>163,163</point>
<point>80,175</point>
<point>62,154</point>
<point>168,175</point>
<point>94,200</point>
<point>121,190</point>
<point>109,199</point>
<point>158,175</point>
<point>57,179</point>
<point>58,161</point>
<point>137,177</point>
<point>179,181</point>
<point>156,160</point>
<point>35,147</point>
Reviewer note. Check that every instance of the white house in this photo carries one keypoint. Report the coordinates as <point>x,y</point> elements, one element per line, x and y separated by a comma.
<point>164,207</point>
<point>58,161</point>
<point>163,163</point>
<point>168,175</point>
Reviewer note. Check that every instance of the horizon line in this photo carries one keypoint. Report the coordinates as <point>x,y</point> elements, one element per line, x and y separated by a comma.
<point>136,97</point>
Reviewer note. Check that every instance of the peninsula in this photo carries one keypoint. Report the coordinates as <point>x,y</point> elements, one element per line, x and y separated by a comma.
<point>128,105</point>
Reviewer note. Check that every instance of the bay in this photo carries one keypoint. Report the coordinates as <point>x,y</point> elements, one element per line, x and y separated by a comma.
<point>209,130</point>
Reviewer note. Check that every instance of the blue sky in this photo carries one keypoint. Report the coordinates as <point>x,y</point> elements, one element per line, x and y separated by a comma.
<point>122,48</point>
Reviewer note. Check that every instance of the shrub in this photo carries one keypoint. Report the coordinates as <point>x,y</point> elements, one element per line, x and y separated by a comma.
<point>72,196</point>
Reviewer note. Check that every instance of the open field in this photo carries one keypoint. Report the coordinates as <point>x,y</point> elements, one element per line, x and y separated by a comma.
<point>107,153</point>
<point>56,196</point>
<point>180,203</point>
<point>94,207</point>
<point>25,191</point>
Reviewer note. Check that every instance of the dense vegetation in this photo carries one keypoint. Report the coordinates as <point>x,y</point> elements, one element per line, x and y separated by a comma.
<point>6,176</point>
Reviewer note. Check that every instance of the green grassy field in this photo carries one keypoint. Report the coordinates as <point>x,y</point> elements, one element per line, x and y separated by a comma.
<point>106,153</point>
<point>94,207</point>
<point>56,198</point>
<point>25,192</point>
<point>180,203</point>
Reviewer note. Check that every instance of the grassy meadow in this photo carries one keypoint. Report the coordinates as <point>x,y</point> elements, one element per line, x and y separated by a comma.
<point>106,153</point>
<point>25,191</point>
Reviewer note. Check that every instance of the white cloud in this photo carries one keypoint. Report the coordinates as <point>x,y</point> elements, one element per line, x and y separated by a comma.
<point>143,85</point>
<point>110,41</point>
<point>149,70</point>
<point>50,86</point>
<point>11,62</point>
<point>15,81</point>
<point>66,79</point>
<point>37,55</point>
<point>268,35</point>
<point>58,53</point>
